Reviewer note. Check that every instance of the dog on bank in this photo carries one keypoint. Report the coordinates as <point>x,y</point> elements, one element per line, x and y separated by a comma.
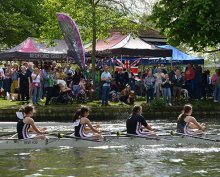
<point>185,94</point>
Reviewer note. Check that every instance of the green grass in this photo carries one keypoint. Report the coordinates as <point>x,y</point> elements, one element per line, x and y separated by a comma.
<point>9,104</point>
<point>96,103</point>
<point>158,105</point>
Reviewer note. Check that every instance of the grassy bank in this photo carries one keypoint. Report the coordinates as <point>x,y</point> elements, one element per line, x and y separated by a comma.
<point>157,105</point>
<point>157,110</point>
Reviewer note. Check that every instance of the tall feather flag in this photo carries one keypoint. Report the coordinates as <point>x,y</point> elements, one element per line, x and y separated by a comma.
<point>73,39</point>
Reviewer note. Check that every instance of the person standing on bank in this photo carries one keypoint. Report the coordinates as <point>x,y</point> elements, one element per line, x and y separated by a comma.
<point>106,79</point>
<point>24,83</point>
<point>166,85</point>
<point>14,78</point>
<point>149,84</point>
<point>178,82</point>
<point>7,81</point>
<point>36,84</point>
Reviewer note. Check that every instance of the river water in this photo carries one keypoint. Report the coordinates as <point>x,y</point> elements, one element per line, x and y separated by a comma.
<point>158,161</point>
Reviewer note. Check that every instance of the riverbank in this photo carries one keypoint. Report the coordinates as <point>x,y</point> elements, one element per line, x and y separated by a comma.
<point>117,111</point>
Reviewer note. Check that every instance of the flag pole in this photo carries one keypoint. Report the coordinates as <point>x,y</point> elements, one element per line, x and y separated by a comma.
<point>141,76</point>
<point>121,62</point>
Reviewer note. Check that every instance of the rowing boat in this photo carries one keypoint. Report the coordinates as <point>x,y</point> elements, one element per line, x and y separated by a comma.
<point>108,140</point>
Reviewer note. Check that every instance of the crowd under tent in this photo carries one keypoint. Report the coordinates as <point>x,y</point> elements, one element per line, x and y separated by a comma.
<point>178,58</point>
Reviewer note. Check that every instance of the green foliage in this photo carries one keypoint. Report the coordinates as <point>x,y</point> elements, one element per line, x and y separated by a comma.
<point>188,21</point>
<point>81,12</point>
<point>19,19</point>
<point>157,105</point>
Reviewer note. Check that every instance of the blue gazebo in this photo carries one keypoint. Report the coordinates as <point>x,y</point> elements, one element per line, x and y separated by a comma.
<point>181,57</point>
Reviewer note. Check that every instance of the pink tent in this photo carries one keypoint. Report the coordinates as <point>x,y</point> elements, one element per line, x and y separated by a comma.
<point>126,45</point>
<point>33,49</point>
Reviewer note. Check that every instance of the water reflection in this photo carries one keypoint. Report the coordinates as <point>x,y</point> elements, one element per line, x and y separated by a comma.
<point>127,161</point>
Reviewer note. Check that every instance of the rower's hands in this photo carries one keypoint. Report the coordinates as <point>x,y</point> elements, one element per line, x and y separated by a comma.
<point>43,129</point>
<point>203,126</point>
<point>99,132</point>
<point>98,126</point>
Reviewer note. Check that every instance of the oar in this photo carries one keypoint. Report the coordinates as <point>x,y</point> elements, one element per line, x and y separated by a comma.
<point>137,136</point>
<point>7,134</point>
<point>107,132</point>
<point>193,136</point>
<point>77,138</point>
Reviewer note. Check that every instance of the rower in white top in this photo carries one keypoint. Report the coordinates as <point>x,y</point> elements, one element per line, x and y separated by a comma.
<point>26,124</point>
<point>186,124</point>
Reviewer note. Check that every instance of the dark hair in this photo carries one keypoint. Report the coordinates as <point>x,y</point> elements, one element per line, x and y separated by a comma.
<point>218,72</point>
<point>186,109</point>
<point>80,112</point>
<point>77,69</point>
<point>135,109</point>
<point>27,109</point>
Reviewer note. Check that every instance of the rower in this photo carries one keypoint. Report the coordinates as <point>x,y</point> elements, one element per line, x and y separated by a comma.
<point>26,123</point>
<point>187,124</point>
<point>80,121</point>
<point>135,122</point>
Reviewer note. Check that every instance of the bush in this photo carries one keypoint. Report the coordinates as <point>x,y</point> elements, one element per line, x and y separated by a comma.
<point>158,105</point>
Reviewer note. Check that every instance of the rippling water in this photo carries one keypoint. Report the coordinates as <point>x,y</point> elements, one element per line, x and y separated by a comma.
<point>113,161</point>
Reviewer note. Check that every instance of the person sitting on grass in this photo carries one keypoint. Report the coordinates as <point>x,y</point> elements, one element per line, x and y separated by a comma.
<point>127,95</point>
<point>26,123</point>
<point>187,124</point>
<point>80,121</point>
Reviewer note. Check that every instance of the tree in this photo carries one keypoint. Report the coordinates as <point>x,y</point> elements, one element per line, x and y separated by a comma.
<point>188,21</point>
<point>19,19</point>
<point>95,19</point>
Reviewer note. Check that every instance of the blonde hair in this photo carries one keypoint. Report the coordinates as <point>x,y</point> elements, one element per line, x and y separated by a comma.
<point>15,64</point>
<point>136,108</point>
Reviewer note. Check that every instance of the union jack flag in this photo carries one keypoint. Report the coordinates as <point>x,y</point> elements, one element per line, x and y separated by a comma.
<point>136,62</point>
<point>127,64</point>
<point>119,62</point>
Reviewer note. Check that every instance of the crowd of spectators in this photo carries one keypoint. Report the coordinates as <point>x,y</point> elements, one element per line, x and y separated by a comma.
<point>60,83</point>
<point>156,82</point>
<point>32,82</point>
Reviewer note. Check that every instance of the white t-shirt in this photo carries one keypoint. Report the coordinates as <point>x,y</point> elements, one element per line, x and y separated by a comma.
<point>2,72</point>
<point>37,80</point>
<point>106,75</point>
